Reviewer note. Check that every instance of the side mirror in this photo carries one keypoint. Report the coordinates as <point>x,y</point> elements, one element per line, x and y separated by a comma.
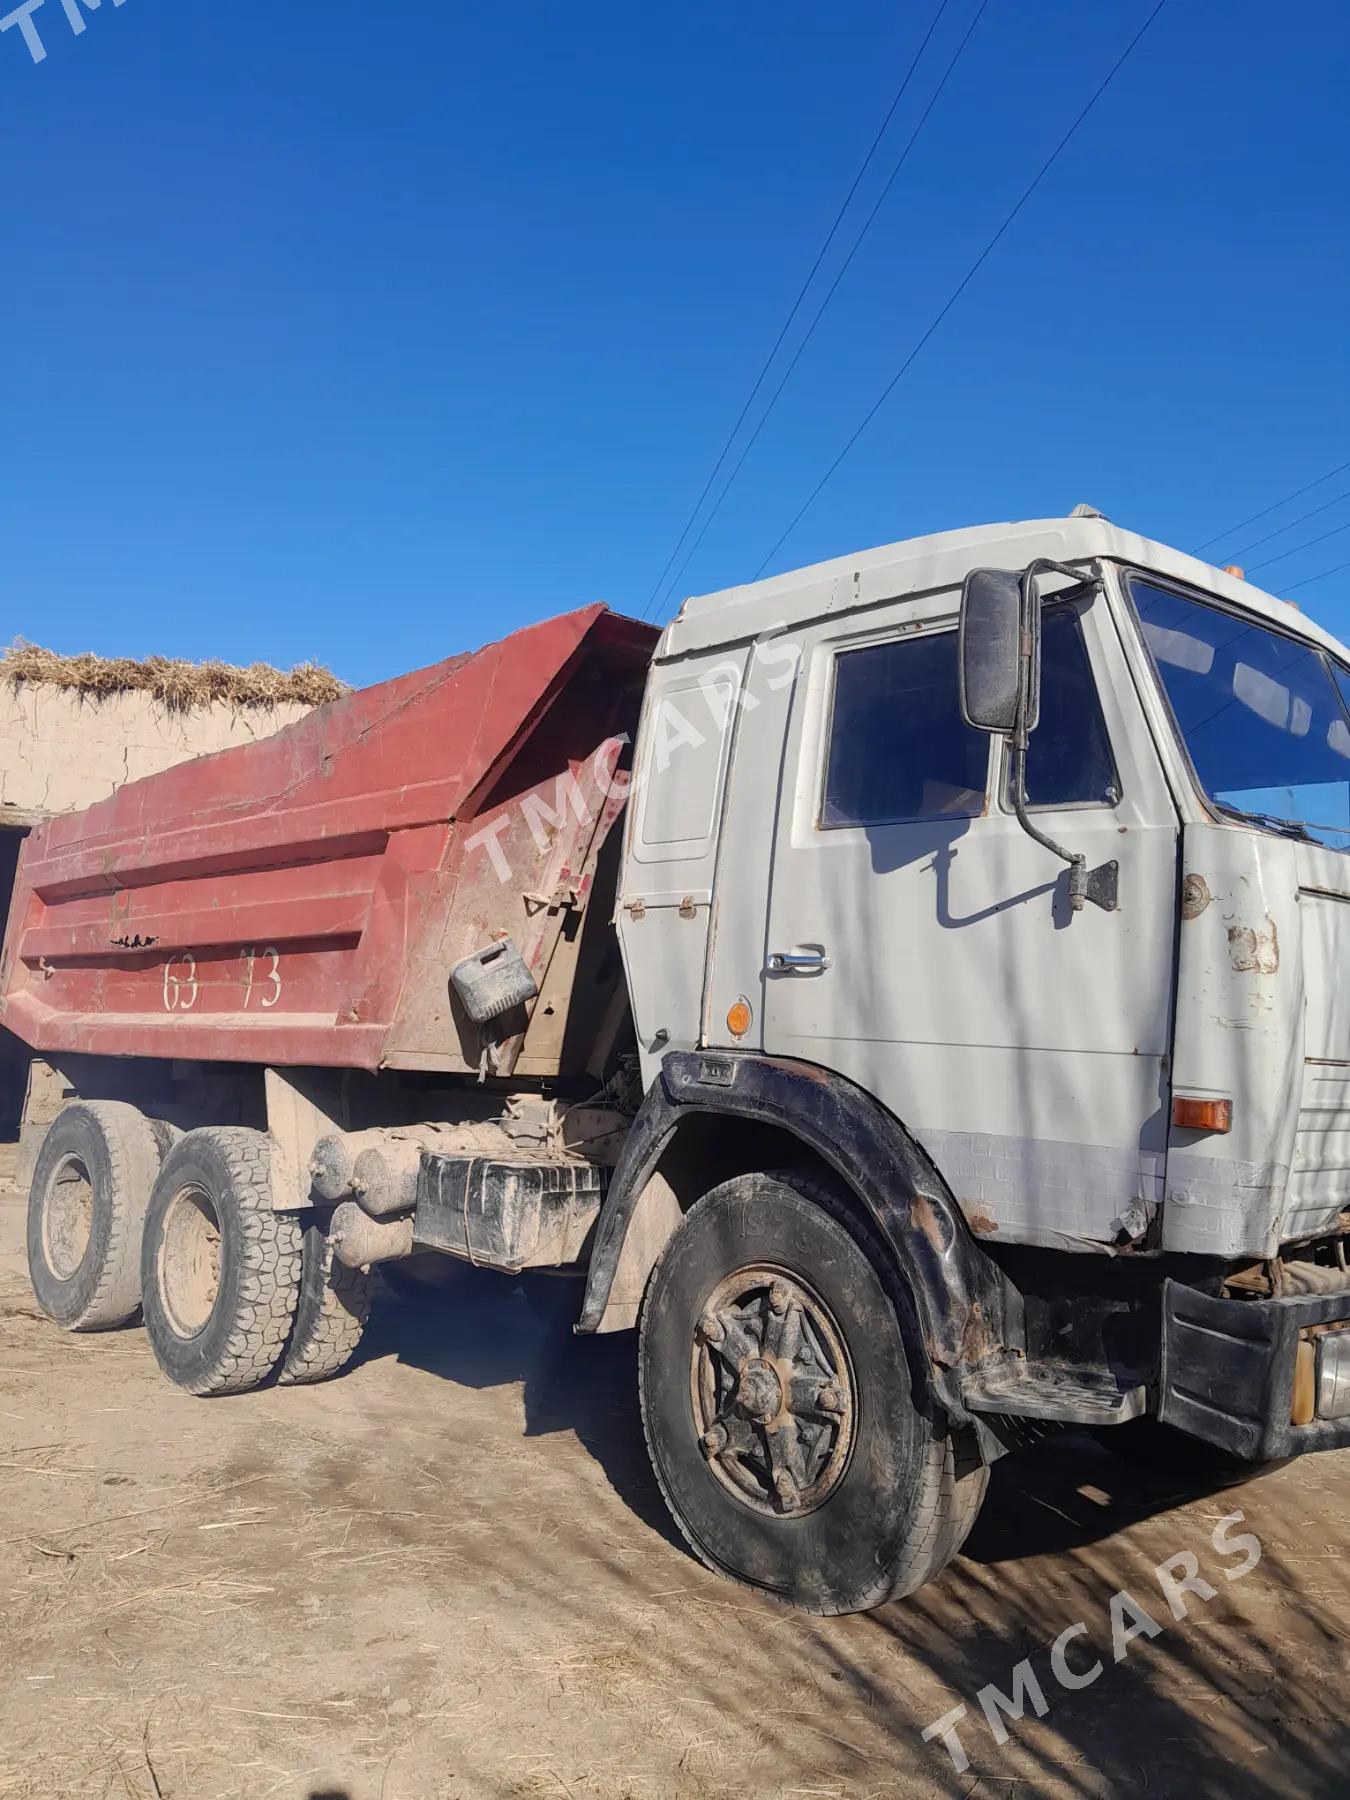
<point>999,673</point>
<point>999,651</point>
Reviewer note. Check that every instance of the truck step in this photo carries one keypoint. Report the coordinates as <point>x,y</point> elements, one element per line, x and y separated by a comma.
<point>1076,1396</point>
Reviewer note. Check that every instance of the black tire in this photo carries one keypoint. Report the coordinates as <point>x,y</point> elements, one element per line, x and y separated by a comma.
<point>220,1270</point>
<point>330,1314</point>
<point>86,1205</point>
<point>166,1135</point>
<point>895,1495</point>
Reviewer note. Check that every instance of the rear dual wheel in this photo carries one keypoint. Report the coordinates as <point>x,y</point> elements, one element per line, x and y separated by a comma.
<point>92,1178</point>
<point>234,1291</point>
<point>779,1409</point>
<point>331,1310</point>
<point>220,1269</point>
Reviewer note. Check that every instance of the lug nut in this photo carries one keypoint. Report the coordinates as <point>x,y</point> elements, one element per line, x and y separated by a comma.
<point>784,1486</point>
<point>715,1439</point>
<point>829,1399</point>
<point>711,1328</point>
<point>779,1296</point>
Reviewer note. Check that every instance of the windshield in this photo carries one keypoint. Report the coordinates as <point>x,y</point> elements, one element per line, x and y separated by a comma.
<point>1266,719</point>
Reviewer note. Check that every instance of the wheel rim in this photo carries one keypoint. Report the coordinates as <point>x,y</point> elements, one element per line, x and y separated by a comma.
<point>773,1392</point>
<point>189,1261</point>
<point>67,1217</point>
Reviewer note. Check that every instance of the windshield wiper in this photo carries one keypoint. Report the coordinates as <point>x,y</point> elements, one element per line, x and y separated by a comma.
<point>1300,828</point>
<point>1292,828</point>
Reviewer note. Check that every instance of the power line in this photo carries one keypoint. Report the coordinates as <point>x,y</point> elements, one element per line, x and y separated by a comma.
<point>1297,547</point>
<point>1308,580</point>
<point>962,285</point>
<point>796,304</point>
<point>1296,495</point>
<point>1300,520</point>
<point>820,310</point>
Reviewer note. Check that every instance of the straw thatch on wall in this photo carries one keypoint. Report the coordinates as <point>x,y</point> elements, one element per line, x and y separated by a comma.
<point>179,686</point>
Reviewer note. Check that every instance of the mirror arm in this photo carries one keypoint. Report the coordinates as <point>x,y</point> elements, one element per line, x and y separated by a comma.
<point>1046,565</point>
<point>1078,875</point>
<point>1100,886</point>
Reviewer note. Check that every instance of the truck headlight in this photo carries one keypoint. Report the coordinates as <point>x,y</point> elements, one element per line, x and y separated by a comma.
<point>1333,1375</point>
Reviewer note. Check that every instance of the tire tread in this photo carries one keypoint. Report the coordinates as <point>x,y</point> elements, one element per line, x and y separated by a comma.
<point>331,1316</point>
<point>133,1162</point>
<point>954,1478</point>
<point>269,1281</point>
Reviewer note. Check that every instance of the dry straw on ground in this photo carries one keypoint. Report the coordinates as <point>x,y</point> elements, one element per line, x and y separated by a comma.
<point>179,686</point>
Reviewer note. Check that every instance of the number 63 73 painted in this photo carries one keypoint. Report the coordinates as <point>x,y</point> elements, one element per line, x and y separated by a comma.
<point>181,986</point>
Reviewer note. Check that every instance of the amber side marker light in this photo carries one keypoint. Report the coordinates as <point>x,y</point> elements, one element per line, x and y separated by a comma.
<point>739,1018</point>
<point>1202,1115</point>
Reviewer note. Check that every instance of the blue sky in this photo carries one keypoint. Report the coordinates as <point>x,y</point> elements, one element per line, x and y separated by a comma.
<point>368,333</point>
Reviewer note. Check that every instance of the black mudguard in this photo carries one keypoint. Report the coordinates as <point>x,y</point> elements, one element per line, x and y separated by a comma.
<point>960,1294</point>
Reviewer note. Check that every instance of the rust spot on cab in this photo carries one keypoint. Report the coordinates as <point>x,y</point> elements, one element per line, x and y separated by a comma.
<point>979,1222</point>
<point>1254,949</point>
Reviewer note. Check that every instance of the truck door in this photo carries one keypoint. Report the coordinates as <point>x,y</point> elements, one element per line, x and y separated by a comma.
<point>919,943</point>
<point>671,841</point>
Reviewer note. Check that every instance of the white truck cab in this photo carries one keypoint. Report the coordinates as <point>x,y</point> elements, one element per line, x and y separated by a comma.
<point>825,862</point>
<point>1033,841</point>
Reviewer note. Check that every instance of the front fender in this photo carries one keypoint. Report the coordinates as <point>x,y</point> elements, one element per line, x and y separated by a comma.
<point>959,1291</point>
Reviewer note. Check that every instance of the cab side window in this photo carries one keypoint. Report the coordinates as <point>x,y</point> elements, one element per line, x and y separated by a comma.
<point>1069,760</point>
<point>898,747</point>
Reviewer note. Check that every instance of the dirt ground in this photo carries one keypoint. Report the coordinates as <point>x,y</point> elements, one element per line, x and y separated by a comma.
<point>449,1574</point>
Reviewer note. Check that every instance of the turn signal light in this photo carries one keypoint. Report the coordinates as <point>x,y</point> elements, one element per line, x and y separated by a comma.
<point>1193,1114</point>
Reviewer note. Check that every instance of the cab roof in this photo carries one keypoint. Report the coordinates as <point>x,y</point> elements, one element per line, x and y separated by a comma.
<point>941,560</point>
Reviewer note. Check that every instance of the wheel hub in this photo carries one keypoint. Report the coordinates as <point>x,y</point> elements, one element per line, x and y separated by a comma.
<point>189,1263</point>
<point>773,1391</point>
<point>759,1392</point>
<point>67,1218</point>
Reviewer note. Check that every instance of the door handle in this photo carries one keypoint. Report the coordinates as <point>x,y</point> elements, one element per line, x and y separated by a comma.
<point>798,962</point>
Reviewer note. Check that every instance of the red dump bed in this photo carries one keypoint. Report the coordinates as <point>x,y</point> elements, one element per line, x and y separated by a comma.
<point>301,900</point>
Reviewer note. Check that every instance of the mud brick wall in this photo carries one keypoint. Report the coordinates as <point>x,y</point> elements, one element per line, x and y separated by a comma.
<point>61,749</point>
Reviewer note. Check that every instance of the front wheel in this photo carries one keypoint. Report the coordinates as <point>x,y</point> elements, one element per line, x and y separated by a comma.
<point>778,1405</point>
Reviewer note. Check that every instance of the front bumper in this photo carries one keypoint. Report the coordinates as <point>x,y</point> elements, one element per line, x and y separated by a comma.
<point>1238,1373</point>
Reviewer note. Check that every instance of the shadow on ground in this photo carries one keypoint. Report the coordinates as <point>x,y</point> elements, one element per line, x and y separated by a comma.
<point>1208,1707</point>
<point>489,1331</point>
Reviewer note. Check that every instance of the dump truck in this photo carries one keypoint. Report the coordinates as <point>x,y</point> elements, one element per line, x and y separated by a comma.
<point>909,992</point>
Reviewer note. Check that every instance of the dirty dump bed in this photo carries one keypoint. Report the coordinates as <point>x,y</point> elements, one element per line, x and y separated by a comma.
<point>301,900</point>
